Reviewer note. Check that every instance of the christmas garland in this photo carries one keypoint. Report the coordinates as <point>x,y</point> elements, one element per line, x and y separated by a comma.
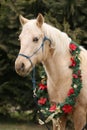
<point>57,110</point>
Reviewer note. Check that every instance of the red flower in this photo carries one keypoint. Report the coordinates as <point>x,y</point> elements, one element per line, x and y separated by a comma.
<point>42,86</point>
<point>75,76</point>
<point>42,101</point>
<point>72,47</point>
<point>67,109</point>
<point>71,91</point>
<point>73,62</point>
<point>52,108</point>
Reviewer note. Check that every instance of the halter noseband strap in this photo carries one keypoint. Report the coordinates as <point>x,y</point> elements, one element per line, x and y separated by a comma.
<point>29,57</point>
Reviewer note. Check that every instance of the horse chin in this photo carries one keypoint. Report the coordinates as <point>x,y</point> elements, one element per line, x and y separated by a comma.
<point>22,74</point>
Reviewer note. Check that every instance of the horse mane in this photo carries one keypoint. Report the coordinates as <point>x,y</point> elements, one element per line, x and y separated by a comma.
<point>60,40</point>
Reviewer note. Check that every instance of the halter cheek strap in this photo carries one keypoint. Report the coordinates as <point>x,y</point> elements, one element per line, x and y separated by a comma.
<point>42,46</point>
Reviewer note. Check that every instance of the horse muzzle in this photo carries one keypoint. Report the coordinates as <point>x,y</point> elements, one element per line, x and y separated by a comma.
<point>22,68</point>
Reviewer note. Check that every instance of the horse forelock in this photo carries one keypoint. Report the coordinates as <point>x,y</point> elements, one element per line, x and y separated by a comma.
<point>31,26</point>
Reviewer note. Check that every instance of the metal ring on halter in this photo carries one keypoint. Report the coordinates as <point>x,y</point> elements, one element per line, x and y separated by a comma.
<point>28,57</point>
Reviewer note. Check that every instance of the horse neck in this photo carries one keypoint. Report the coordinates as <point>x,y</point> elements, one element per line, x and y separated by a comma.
<point>56,66</point>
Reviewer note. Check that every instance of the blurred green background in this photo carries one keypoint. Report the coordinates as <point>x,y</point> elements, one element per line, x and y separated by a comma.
<point>70,16</point>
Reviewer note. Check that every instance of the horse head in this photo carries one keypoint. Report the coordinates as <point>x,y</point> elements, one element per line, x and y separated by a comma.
<point>34,46</point>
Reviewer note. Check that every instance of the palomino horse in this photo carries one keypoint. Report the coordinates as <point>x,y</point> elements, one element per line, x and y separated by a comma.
<point>55,58</point>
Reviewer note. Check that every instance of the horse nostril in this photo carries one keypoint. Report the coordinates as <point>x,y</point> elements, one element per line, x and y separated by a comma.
<point>22,66</point>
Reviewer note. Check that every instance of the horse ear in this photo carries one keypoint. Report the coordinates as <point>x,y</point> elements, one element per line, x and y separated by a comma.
<point>23,20</point>
<point>40,20</point>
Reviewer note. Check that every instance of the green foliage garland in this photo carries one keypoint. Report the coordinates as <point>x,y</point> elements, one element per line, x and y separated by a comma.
<point>57,110</point>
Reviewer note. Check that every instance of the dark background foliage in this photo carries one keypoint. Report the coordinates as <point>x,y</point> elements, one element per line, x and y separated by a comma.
<point>69,16</point>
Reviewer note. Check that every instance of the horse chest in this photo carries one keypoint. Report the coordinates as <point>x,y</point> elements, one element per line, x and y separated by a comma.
<point>58,93</point>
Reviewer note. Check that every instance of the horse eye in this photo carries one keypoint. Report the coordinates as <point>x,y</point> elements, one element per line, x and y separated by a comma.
<point>35,39</point>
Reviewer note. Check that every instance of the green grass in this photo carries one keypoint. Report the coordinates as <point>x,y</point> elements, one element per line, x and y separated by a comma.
<point>16,126</point>
<point>7,123</point>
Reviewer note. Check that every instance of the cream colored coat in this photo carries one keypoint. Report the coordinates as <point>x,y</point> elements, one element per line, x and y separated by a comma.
<point>56,61</point>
